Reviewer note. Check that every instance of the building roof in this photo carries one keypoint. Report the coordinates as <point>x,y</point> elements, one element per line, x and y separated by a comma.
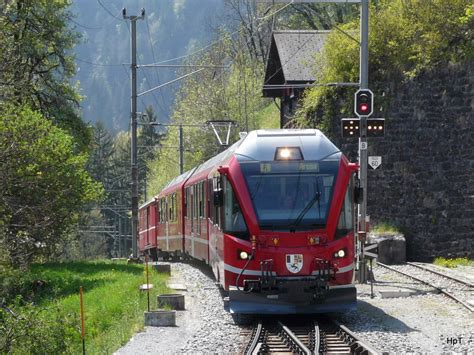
<point>292,57</point>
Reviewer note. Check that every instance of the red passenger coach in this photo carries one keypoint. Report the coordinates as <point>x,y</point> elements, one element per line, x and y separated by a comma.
<point>273,215</point>
<point>147,224</point>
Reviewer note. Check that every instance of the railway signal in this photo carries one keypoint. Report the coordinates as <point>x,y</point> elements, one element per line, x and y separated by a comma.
<point>375,127</point>
<point>364,102</point>
<point>351,127</point>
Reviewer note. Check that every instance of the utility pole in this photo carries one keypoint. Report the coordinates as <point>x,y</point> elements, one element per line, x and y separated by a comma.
<point>364,84</point>
<point>134,156</point>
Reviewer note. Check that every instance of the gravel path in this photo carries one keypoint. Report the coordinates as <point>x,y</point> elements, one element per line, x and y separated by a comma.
<point>426,323</point>
<point>203,328</point>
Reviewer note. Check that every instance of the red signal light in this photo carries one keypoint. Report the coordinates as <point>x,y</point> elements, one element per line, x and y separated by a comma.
<point>364,102</point>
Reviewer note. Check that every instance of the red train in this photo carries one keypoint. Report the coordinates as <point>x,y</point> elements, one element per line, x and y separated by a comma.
<point>273,215</point>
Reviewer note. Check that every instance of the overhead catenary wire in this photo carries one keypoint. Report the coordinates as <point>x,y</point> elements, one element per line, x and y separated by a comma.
<point>220,40</point>
<point>108,11</point>
<point>99,64</point>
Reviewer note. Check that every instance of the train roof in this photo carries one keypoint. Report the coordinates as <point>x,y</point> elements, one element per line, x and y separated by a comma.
<point>180,178</point>
<point>261,145</point>
<point>145,204</point>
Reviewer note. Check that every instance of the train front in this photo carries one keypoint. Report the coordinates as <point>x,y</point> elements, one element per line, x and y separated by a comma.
<point>291,245</point>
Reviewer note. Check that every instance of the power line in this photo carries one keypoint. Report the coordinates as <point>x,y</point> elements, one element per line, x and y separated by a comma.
<point>108,11</point>
<point>99,64</point>
<point>83,26</point>
<point>220,40</point>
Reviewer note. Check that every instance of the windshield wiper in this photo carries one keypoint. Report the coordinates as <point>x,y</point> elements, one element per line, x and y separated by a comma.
<point>308,206</point>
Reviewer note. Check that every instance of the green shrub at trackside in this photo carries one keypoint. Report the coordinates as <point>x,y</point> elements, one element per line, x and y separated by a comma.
<point>40,309</point>
<point>453,263</point>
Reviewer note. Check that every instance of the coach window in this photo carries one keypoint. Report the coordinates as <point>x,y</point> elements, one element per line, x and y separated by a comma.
<point>163,209</point>
<point>234,222</point>
<point>192,198</point>
<point>175,214</point>
<point>172,207</point>
<point>188,202</point>
<point>210,206</point>
<point>201,199</point>
<point>160,211</point>
<point>195,210</point>
<point>216,182</point>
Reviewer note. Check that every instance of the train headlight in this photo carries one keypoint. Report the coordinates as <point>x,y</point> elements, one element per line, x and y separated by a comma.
<point>288,153</point>
<point>340,253</point>
<point>243,255</point>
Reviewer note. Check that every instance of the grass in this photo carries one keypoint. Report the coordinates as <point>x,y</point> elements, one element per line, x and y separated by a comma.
<point>453,263</point>
<point>113,305</point>
<point>268,117</point>
<point>384,227</point>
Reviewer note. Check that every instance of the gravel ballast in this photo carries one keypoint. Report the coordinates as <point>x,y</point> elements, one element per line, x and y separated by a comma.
<point>426,322</point>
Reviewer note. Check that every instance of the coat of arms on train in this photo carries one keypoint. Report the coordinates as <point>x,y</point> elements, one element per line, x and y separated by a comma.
<point>294,262</point>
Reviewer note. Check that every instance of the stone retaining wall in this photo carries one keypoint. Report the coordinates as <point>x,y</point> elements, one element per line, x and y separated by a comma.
<point>425,185</point>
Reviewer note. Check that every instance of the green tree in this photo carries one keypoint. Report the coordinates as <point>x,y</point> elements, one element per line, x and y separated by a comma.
<point>149,138</point>
<point>405,39</point>
<point>230,94</point>
<point>101,152</point>
<point>44,185</point>
<point>36,64</point>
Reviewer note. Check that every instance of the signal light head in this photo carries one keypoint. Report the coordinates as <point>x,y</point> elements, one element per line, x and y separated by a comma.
<point>364,102</point>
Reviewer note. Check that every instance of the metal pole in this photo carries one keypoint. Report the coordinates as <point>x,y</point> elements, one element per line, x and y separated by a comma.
<point>83,328</point>
<point>134,155</point>
<point>181,150</point>
<point>133,38</point>
<point>364,83</point>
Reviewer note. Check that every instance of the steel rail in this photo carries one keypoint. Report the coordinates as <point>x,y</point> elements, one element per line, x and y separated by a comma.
<point>450,295</point>
<point>358,346</point>
<point>317,337</point>
<point>255,345</point>
<point>294,339</point>
<point>467,283</point>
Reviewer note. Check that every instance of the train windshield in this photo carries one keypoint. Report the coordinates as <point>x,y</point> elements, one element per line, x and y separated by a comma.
<point>291,195</point>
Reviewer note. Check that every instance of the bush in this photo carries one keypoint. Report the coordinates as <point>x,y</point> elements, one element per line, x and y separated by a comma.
<point>453,263</point>
<point>27,329</point>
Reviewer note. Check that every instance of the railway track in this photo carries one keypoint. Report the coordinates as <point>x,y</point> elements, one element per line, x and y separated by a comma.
<point>458,280</point>
<point>322,336</point>
<point>459,290</point>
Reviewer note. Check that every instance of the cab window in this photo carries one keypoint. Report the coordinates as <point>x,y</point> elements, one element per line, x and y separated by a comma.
<point>234,222</point>
<point>345,224</point>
